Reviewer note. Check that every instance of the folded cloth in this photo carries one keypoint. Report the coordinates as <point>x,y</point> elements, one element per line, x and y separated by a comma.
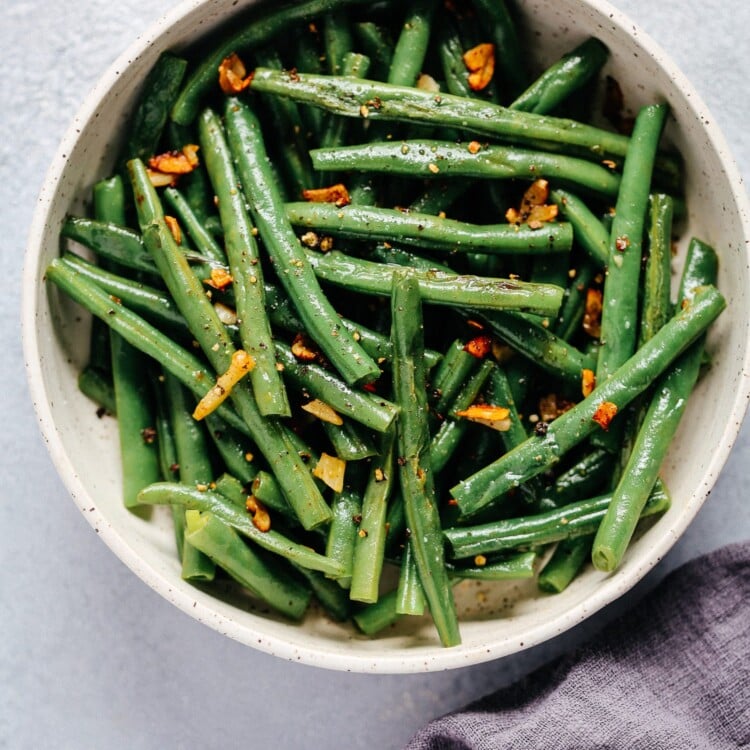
<point>672,673</point>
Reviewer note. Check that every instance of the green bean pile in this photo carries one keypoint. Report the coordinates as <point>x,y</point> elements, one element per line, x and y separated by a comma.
<point>443,385</point>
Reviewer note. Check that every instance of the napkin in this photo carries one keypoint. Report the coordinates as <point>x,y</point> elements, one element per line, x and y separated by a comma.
<point>674,672</point>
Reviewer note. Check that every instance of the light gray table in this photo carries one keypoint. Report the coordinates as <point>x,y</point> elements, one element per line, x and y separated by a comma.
<point>89,656</point>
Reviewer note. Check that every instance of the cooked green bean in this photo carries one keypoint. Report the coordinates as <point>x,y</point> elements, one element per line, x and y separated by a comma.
<point>349,440</point>
<point>430,159</point>
<point>414,456</point>
<point>573,520</point>
<point>233,447</point>
<point>355,98</point>
<point>438,287</point>
<point>584,479</point>
<point>562,78</point>
<point>424,230</point>
<point>159,93</point>
<point>342,533</point>
<point>566,561</point>
<point>411,47</point>
<point>520,565</point>
<point>99,388</point>
<point>410,599</point>
<point>656,306</point>
<point>369,545</point>
<point>588,230</point>
<point>539,453</point>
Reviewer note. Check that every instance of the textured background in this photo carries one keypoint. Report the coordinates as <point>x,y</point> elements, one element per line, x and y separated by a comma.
<point>92,658</point>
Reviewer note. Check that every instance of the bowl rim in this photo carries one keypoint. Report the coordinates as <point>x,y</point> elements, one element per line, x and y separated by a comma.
<point>384,663</point>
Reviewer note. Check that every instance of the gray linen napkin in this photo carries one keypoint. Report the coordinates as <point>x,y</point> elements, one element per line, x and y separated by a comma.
<point>672,673</point>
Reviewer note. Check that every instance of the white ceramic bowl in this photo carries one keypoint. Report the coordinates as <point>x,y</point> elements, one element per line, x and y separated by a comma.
<point>496,620</point>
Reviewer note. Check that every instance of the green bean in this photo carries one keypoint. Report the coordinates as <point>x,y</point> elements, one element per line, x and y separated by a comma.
<point>451,52</point>
<point>159,93</point>
<point>337,40</point>
<point>620,302</point>
<point>293,268</point>
<point>414,456</point>
<point>167,493</point>
<point>232,489</point>
<point>138,451</point>
<point>307,59</point>
<point>429,159</point>
<point>583,479</point>
<point>656,307</point>
<point>270,436</point>
<point>539,453</point>
<point>452,428</point>
<point>109,205</point>
<point>348,97</point>
<point>376,617</point>
<point>562,78</point>
<point>203,239</point>
<point>438,287</point>
<point>342,533</point>
<point>168,460</point>
<point>659,426</point>
<point>96,386</point>
<point>410,600</point>
<point>369,545</point>
<point>520,565</point>
<point>265,578</point>
<point>259,30</point>
<point>495,17</point>
<point>366,408</point>
<point>411,47</point>
<point>378,46</point>
<point>588,230</point>
<point>194,468</point>
<point>423,230</point>
<point>573,520</point>
<point>245,268</point>
<point>114,243</point>
<point>151,303</point>
<point>349,441</point>
<point>567,559</point>
<point>331,596</point>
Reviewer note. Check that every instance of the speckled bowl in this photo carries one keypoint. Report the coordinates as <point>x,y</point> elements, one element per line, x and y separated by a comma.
<point>498,619</point>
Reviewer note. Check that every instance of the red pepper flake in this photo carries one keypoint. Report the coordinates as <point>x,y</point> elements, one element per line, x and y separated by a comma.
<point>479,346</point>
<point>475,147</point>
<point>149,435</point>
<point>337,194</point>
<point>605,413</point>
<point>622,243</point>
<point>370,387</point>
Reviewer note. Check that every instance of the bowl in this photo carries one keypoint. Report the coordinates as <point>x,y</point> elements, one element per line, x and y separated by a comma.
<point>497,620</point>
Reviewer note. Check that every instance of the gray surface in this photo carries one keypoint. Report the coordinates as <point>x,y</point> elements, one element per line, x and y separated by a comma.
<point>92,658</point>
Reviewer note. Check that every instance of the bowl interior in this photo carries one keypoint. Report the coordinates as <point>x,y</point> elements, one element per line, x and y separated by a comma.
<point>497,619</point>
